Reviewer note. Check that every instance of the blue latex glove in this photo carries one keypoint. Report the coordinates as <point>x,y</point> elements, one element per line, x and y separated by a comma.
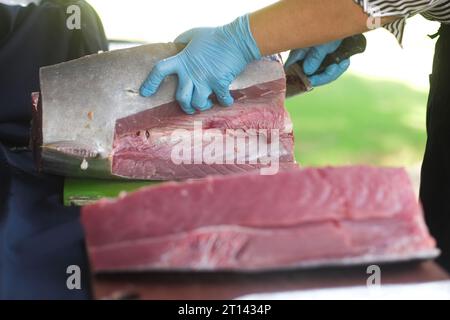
<point>313,58</point>
<point>212,59</point>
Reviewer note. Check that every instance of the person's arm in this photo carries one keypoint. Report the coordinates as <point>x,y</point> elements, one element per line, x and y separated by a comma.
<point>214,57</point>
<point>290,24</point>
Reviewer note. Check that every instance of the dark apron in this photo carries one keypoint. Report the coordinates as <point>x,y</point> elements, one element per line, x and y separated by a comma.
<point>435,187</point>
<point>39,237</point>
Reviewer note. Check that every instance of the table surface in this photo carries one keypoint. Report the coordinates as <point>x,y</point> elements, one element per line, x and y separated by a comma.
<point>218,286</point>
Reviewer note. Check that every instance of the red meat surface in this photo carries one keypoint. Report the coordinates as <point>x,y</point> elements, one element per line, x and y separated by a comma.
<point>250,222</point>
<point>144,142</point>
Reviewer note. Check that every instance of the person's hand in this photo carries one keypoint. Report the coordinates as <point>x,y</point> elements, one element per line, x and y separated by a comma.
<point>212,59</point>
<point>313,58</point>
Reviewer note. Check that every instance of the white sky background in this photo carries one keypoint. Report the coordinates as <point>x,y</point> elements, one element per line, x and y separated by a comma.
<point>163,20</point>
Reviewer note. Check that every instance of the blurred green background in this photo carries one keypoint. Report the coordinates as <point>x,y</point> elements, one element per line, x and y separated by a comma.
<point>360,120</point>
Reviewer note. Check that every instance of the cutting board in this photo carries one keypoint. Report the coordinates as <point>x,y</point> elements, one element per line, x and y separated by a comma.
<point>80,192</point>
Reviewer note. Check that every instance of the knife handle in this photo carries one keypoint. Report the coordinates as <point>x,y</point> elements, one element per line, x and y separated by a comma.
<point>349,47</point>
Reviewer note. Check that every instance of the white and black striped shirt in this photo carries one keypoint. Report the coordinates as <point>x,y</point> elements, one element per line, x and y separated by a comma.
<point>436,10</point>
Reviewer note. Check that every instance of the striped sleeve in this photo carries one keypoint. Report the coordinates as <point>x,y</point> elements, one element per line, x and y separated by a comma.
<point>437,10</point>
<point>441,13</point>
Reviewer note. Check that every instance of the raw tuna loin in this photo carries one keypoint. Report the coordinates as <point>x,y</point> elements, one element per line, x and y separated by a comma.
<point>249,222</point>
<point>90,120</point>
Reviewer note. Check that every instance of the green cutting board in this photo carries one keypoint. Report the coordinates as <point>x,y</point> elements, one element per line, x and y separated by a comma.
<point>79,192</point>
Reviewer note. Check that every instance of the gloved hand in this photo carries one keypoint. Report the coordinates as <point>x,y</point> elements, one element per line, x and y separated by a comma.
<point>313,58</point>
<point>212,59</point>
